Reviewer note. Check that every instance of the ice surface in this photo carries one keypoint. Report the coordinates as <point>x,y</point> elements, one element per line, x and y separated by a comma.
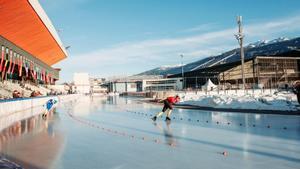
<point>117,132</point>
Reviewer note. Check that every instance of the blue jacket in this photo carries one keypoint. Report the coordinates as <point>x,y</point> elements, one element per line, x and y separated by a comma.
<point>49,104</point>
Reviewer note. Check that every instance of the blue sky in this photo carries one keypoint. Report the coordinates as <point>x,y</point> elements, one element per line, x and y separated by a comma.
<point>124,37</point>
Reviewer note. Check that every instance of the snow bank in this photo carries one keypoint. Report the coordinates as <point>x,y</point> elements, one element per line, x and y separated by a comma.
<point>276,101</point>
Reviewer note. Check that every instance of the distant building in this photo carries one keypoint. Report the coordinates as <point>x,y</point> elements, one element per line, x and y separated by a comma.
<point>97,86</point>
<point>264,71</point>
<point>259,71</point>
<point>123,86</point>
<point>162,84</point>
<point>81,83</point>
<point>143,85</point>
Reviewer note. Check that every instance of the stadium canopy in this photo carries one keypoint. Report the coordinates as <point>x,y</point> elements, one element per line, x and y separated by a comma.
<point>25,23</point>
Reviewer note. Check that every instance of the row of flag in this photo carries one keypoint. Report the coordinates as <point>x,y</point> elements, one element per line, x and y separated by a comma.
<point>11,59</point>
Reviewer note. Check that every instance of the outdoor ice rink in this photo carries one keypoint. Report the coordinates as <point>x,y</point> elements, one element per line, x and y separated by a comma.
<point>116,133</point>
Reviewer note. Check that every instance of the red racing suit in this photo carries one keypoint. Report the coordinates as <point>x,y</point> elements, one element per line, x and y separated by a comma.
<point>169,102</point>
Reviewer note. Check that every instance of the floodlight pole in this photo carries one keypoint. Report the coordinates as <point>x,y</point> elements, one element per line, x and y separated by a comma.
<point>182,73</point>
<point>240,37</point>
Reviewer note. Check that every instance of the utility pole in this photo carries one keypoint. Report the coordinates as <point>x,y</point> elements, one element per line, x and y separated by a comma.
<point>240,37</point>
<point>182,73</point>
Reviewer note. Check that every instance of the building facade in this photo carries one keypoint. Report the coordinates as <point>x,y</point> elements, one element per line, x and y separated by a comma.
<point>146,85</point>
<point>97,86</point>
<point>259,72</point>
<point>82,83</point>
<point>123,86</point>
<point>264,71</point>
<point>164,84</point>
<point>29,43</point>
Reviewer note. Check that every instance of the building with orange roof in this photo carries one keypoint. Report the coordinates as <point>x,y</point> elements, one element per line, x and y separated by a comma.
<point>29,43</point>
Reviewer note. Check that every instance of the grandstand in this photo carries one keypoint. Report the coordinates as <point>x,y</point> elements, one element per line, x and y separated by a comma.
<point>29,47</point>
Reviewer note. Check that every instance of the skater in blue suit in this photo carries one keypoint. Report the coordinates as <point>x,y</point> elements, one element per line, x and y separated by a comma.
<point>49,106</point>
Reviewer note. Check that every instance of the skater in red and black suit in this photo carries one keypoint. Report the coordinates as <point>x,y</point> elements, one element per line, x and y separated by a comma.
<point>168,107</point>
<point>296,90</point>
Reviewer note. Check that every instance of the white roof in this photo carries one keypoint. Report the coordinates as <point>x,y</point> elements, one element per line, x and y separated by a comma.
<point>45,19</point>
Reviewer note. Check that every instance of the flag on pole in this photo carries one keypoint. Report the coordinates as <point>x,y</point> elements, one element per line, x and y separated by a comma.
<point>20,65</point>
<point>30,65</point>
<point>47,80</point>
<point>49,77</point>
<point>2,57</point>
<point>31,69</point>
<point>5,64</point>
<point>35,71</point>
<point>14,63</point>
<point>40,73</point>
<point>26,65</point>
<point>10,61</point>
<point>43,75</point>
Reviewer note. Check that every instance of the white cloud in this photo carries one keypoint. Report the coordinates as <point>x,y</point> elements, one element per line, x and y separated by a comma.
<point>199,28</point>
<point>273,27</point>
<point>134,57</point>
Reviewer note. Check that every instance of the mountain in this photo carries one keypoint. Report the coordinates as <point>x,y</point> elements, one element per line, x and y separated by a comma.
<point>267,42</point>
<point>263,48</point>
<point>163,70</point>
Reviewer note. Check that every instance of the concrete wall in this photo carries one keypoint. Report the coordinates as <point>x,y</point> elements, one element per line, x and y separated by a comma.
<point>15,110</point>
<point>131,87</point>
<point>9,119</point>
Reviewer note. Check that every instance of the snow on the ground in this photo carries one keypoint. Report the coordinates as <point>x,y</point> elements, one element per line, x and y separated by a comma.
<point>259,101</point>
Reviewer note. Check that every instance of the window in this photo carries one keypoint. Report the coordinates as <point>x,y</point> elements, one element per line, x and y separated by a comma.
<point>161,82</point>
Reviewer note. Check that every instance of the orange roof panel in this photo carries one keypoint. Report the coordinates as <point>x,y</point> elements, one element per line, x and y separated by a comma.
<point>20,24</point>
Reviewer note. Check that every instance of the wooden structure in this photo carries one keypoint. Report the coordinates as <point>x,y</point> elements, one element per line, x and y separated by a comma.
<point>259,72</point>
